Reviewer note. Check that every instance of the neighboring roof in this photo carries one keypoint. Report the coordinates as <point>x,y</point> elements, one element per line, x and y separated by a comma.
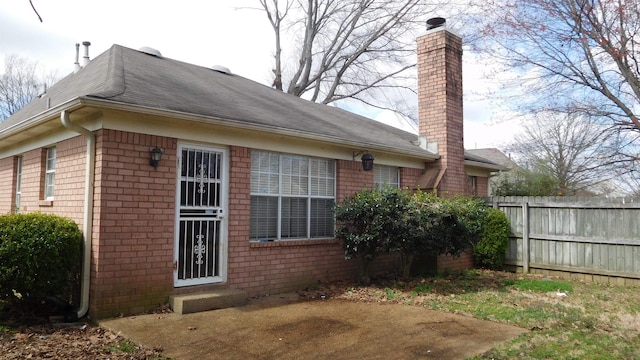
<point>478,161</point>
<point>494,156</point>
<point>125,76</point>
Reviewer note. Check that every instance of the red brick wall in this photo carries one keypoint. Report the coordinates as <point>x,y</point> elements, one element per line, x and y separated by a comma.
<point>350,178</point>
<point>409,177</point>
<point>482,186</point>
<point>132,269</point>
<point>440,104</point>
<point>133,245</point>
<point>450,263</point>
<point>32,168</point>
<point>69,181</point>
<point>134,220</point>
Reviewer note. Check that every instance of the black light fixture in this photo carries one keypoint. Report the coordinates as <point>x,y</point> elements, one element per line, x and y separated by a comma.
<point>156,155</point>
<point>367,162</point>
<point>366,158</point>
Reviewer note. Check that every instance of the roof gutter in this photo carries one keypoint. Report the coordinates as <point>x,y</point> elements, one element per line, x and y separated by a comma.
<point>205,119</point>
<point>38,119</point>
<point>88,209</point>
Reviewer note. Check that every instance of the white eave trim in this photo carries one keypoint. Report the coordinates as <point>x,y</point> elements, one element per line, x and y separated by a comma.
<point>78,102</point>
<point>49,114</point>
<point>421,154</point>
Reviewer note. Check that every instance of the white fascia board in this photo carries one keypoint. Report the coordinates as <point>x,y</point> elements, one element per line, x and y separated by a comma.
<point>418,153</point>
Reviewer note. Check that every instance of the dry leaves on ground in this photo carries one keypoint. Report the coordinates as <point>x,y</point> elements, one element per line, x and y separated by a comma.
<point>81,341</point>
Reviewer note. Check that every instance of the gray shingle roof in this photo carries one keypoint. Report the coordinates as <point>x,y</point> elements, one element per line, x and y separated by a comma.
<point>494,156</point>
<point>131,77</point>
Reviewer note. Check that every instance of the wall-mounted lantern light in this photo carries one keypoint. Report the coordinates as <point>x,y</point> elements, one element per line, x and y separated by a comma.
<point>156,155</point>
<point>367,160</point>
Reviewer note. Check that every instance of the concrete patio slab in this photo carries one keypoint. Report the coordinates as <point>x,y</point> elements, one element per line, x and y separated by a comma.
<point>279,327</point>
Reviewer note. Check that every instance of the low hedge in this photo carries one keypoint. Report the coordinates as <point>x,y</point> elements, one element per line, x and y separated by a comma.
<point>40,256</point>
<point>415,223</point>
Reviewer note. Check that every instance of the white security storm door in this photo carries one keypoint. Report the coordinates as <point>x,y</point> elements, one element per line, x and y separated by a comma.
<point>201,231</point>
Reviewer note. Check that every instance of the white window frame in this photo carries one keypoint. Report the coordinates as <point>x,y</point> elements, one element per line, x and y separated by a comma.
<point>384,175</point>
<point>280,179</point>
<point>50,173</point>
<point>18,197</point>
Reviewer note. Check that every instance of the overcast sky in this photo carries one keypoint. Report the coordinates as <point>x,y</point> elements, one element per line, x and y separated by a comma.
<point>201,32</point>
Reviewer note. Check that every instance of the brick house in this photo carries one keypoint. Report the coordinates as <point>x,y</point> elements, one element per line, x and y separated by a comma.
<point>241,196</point>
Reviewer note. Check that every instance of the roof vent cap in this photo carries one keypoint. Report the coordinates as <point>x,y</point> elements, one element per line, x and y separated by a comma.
<point>150,51</point>
<point>435,22</point>
<point>221,69</point>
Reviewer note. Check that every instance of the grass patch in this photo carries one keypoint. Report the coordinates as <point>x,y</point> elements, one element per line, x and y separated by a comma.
<point>542,285</point>
<point>125,347</point>
<point>567,319</point>
<point>390,293</point>
<point>422,289</point>
<point>593,321</point>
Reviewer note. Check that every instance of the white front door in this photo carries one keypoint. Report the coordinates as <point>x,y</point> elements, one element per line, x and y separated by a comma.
<point>200,255</point>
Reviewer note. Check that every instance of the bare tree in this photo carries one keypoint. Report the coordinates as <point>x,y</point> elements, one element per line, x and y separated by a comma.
<point>20,83</point>
<point>576,152</point>
<point>348,49</point>
<point>569,55</point>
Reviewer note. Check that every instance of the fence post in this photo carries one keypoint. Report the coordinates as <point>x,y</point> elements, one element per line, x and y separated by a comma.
<point>525,237</point>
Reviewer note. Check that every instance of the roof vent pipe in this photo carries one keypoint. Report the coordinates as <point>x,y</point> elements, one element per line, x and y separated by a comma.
<point>435,22</point>
<point>86,45</point>
<point>76,64</point>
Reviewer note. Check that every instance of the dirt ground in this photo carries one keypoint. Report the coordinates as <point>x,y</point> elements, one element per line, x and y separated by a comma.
<point>291,327</point>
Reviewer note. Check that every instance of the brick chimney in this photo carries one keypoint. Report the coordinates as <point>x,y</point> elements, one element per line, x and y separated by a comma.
<point>440,101</point>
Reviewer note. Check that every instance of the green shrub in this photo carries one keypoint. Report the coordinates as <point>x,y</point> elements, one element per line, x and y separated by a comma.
<point>366,222</point>
<point>389,220</point>
<point>490,251</point>
<point>40,256</point>
<point>471,213</point>
<point>430,227</point>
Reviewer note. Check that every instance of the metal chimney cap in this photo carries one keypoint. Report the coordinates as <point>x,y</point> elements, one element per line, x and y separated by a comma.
<point>221,69</point>
<point>435,22</point>
<point>150,51</point>
<point>86,43</point>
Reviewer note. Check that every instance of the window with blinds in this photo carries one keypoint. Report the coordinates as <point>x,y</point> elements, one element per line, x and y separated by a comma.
<point>18,184</point>
<point>50,173</point>
<point>384,176</point>
<point>292,197</point>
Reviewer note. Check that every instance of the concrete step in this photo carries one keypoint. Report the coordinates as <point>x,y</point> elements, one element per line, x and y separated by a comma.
<point>212,300</point>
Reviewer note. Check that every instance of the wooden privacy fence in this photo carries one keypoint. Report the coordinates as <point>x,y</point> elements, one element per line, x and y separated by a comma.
<point>598,236</point>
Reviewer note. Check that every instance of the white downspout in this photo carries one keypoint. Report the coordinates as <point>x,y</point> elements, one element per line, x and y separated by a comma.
<point>88,209</point>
